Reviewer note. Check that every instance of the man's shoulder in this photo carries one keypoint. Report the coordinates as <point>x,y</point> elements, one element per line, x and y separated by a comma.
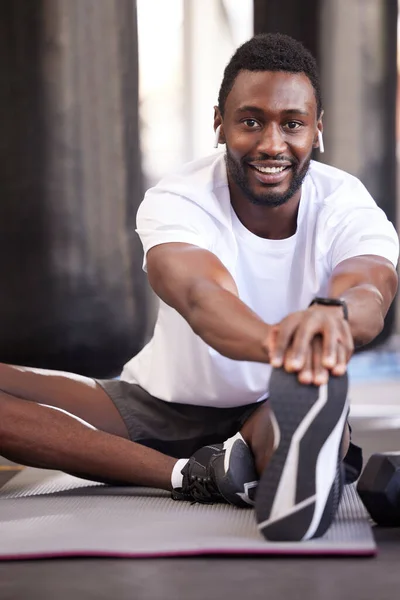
<point>196,189</point>
<point>332,184</point>
<point>198,183</point>
<point>206,174</point>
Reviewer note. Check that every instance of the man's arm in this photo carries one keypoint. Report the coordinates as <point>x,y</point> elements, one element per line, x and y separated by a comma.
<point>201,289</point>
<point>368,284</point>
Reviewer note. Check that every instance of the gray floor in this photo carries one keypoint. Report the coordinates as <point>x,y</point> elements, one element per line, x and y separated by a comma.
<point>214,578</point>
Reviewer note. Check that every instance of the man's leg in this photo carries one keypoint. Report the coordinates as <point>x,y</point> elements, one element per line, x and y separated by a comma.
<point>258,433</point>
<point>44,437</point>
<point>286,460</point>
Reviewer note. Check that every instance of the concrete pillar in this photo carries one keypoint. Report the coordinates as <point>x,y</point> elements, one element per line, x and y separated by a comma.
<point>70,180</point>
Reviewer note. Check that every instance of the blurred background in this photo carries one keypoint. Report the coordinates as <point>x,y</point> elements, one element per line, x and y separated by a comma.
<point>100,98</point>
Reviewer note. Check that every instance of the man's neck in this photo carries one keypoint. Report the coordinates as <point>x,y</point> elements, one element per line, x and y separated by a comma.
<point>274,223</point>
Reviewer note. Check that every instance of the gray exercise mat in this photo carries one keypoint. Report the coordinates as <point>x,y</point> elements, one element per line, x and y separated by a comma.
<point>50,514</point>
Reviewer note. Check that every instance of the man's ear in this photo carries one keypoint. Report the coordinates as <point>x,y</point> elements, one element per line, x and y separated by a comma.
<point>320,124</point>
<point>218,122</point>
<point>318,133</point>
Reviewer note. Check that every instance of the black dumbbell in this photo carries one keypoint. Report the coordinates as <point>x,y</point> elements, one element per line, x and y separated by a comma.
<point>379,488</point>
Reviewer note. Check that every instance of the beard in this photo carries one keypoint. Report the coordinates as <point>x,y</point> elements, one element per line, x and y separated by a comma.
<point>237,170</point>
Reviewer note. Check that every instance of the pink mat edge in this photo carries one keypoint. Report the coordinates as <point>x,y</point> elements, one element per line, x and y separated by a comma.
<point>362,553</point>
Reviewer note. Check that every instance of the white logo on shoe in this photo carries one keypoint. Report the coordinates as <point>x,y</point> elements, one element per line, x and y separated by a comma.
<point>247,487</point>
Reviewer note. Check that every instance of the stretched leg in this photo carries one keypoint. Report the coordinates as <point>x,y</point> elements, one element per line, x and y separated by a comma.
<point>47,420</point>
<point>309,419</point>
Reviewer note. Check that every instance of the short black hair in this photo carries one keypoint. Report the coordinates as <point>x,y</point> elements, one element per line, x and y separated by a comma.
<point>271,52</point>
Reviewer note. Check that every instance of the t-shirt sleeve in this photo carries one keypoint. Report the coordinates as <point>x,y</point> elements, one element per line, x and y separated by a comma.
<point>359,227</point>
<point>164,217</point>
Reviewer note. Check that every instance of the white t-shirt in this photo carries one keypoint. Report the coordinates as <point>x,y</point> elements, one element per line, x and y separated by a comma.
<point>337,219</point>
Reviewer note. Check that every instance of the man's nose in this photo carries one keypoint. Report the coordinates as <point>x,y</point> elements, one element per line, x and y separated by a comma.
<point>272,141</point>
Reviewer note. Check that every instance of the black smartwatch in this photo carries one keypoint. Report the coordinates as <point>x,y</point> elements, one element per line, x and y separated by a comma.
<point>332,302</point>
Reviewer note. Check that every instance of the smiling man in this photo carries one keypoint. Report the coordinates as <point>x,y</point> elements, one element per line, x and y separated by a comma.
<point>269,269</point>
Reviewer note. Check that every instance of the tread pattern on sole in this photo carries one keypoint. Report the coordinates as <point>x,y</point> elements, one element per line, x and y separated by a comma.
<point>293,404</point>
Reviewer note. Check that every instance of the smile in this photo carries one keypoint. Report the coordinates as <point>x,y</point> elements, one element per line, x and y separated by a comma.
<point>270,175</point>
<point>269,169</point>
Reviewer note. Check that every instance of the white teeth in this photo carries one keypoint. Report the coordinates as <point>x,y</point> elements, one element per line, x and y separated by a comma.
<point>270,169</point>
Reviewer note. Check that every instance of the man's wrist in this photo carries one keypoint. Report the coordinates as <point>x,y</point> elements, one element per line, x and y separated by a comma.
<point>266,342</point>
<point>338,302</point>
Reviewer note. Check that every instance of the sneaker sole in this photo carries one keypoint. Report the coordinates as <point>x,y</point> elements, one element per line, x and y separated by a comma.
<point>333,501</point>
<point>295,491</point>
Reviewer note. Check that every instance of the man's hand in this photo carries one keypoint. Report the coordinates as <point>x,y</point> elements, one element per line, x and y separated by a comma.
<point>312,343</point>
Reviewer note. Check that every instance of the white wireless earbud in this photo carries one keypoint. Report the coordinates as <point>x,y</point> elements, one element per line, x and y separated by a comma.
<point>320,141</point>
<point>216,139</point>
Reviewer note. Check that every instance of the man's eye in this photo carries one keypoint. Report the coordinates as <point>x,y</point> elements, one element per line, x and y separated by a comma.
<point>251,123</point>
<point>293,125</point>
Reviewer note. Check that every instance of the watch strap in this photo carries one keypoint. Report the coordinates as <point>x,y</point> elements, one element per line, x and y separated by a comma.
<point>332,302</point>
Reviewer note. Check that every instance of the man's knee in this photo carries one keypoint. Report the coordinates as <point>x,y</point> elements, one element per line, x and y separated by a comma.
<point>258,432</point>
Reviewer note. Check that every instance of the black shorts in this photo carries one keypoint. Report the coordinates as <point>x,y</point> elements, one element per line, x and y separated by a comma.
<point>178,430</point>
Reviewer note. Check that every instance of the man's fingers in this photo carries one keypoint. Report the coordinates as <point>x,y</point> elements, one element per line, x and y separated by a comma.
<point>332,333</point>
<point>291,340</point>
<point>320,373</point>
<point>305,375</point>
<point>341,362</point>
<point>329,347</point>
<point>288,359</point>
<point>301,344</point>
<point>283,338</point>
<point>313,371</point>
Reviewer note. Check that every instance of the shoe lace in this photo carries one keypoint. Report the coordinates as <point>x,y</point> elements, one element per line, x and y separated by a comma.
<point>202,489</point>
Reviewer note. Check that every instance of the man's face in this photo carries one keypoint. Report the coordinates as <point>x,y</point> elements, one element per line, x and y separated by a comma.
<point>270,127</point>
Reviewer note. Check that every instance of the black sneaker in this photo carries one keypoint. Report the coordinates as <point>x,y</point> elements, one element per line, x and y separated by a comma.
<point>220,473</point>
<point>299,491</point>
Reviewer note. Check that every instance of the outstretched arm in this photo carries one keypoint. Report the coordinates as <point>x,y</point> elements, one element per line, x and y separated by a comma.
<point>319,339</point>
<point>368,284</point>
<point>201,289</point>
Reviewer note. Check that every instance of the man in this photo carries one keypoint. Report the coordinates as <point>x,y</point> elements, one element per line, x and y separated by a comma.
<point>269,268</point>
